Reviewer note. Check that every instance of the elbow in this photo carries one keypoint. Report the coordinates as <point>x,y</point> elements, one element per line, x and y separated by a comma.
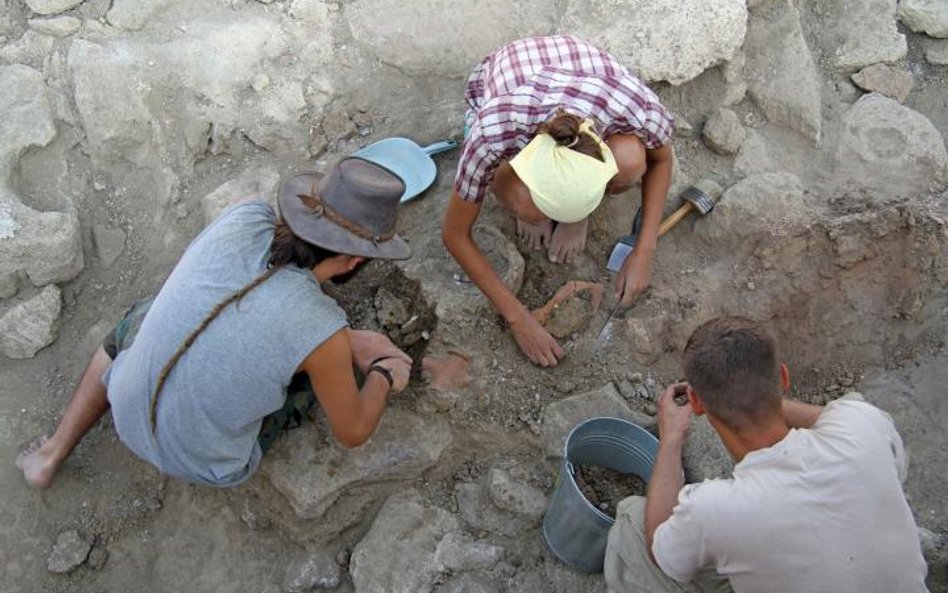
<point>355,434</point>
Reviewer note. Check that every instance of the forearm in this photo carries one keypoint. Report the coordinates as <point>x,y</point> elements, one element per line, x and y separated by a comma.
<point>372,398</point>
<point>457,236</point>
<point>655,184</point>
<point>663,487</point>
<point>800,415</point>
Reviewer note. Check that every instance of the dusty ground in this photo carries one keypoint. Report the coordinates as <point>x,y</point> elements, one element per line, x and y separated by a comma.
<point>853,281</point>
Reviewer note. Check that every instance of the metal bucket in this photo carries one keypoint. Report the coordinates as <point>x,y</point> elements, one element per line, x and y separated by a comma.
<point>574,529</point>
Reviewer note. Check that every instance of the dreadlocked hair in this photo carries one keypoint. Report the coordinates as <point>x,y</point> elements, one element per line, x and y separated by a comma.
<point>285,249</point>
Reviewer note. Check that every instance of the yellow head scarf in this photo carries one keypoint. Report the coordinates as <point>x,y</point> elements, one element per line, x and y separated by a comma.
<point>566,185</point>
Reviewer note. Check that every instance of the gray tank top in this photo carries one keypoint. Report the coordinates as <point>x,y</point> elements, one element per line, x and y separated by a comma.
<point>236,372</point>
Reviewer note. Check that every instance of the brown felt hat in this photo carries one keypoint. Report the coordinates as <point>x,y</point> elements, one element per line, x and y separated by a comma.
<point>351,210</point>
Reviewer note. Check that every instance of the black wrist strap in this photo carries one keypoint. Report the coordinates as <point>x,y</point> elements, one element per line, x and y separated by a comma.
<point>384,372</point>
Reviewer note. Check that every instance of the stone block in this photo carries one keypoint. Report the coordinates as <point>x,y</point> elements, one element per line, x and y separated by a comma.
<point>673,40</point>
<point>925,16</point>
<point>406,524</point>
<point>30,326</point>
<point>313,474</point>
<point>560,417</point>
<point>781,74</point>
<point>407,39</point>
<point>889,149</point>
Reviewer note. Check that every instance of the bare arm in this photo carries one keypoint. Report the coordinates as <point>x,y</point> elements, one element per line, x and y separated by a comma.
<point>353,414</point>
<point>456,233</point>
<point>800,415</point>
<point>636,272</point>
<point>667,477</point>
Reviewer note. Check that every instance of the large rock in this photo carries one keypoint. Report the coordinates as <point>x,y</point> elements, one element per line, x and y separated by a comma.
<point>780,71</point>
<point>132,15</point>
<point>406,39</point>
<point>937,53</point>
<point>763,207</point>
<point>25,112</point>
<point>925,16</point>
<point>413,529</point>
<point>858,33</point>
<point>254,182</point>
<point>456,298</point>
<point>108,83</point>
<point>313,475</point>
<point>704,456</point>
<point>560,417</point>
<point>44,245</point>
<point>890,149</point>
<point>673,40</point>
<point>32,325</point>
<point>52,6</point>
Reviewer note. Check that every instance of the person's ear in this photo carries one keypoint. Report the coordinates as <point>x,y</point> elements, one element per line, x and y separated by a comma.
<point>695,402</point>
<point>784,377</point>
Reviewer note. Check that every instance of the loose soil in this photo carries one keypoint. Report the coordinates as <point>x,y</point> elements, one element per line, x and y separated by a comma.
<point>605,487</point>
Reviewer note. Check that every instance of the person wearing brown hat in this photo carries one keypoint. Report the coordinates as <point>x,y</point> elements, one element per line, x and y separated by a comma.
<point>197,377</point>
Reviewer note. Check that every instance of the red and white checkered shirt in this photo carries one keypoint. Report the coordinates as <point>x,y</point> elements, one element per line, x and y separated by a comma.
<point>521,86</point>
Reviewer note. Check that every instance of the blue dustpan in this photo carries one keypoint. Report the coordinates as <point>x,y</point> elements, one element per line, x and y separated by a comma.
<point>408,160</point>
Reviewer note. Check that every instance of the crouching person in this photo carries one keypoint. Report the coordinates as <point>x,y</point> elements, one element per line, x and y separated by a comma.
<point>197,377</point>
<point>815,502</point>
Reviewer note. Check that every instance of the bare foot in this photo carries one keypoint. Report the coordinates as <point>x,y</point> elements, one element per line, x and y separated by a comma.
<point>536,236</point>
<point>568,241</point>
<point>38,464</point>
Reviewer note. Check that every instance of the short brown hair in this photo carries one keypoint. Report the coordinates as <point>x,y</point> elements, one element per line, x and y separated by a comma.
<point>564,128</point>
<point>732,364</point>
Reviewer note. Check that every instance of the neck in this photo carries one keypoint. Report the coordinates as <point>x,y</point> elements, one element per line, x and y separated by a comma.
<point>740,443</point>
<point>324,270</point>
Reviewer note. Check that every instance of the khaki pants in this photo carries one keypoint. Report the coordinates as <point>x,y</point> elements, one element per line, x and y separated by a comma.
<point>628,568</point>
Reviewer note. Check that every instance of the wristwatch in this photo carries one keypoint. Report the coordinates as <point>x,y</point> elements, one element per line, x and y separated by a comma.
<point>384,372</point>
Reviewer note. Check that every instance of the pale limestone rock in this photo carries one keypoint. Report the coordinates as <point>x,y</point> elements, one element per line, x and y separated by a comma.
<point>400,38</point>
<point>57,26</point>
<point>673,40</point>
<point>780,71</point>
<point>52,6</point>
<point>889,149</point>
<point>925,16</point>
<point>30,326</point>
<point>417,530</point>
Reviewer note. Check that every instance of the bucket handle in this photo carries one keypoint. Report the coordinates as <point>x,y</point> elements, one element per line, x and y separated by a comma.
<point>439,147</point>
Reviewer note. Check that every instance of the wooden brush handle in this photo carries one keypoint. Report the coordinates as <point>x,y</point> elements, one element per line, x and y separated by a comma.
<point>675,217</point>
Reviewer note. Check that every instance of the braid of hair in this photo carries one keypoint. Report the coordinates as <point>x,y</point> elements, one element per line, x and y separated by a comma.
<point>166,371</point>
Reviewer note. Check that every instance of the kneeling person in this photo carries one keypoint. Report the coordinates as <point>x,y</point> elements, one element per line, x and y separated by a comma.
<point>815,502</point>
<point>197,377</point>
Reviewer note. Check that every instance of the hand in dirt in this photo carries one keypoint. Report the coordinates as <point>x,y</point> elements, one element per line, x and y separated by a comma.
<point>634,276</point>
<point>400,369</point>
<point>368,346</point>
<point>535,341</point>
<point>674,413</point>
